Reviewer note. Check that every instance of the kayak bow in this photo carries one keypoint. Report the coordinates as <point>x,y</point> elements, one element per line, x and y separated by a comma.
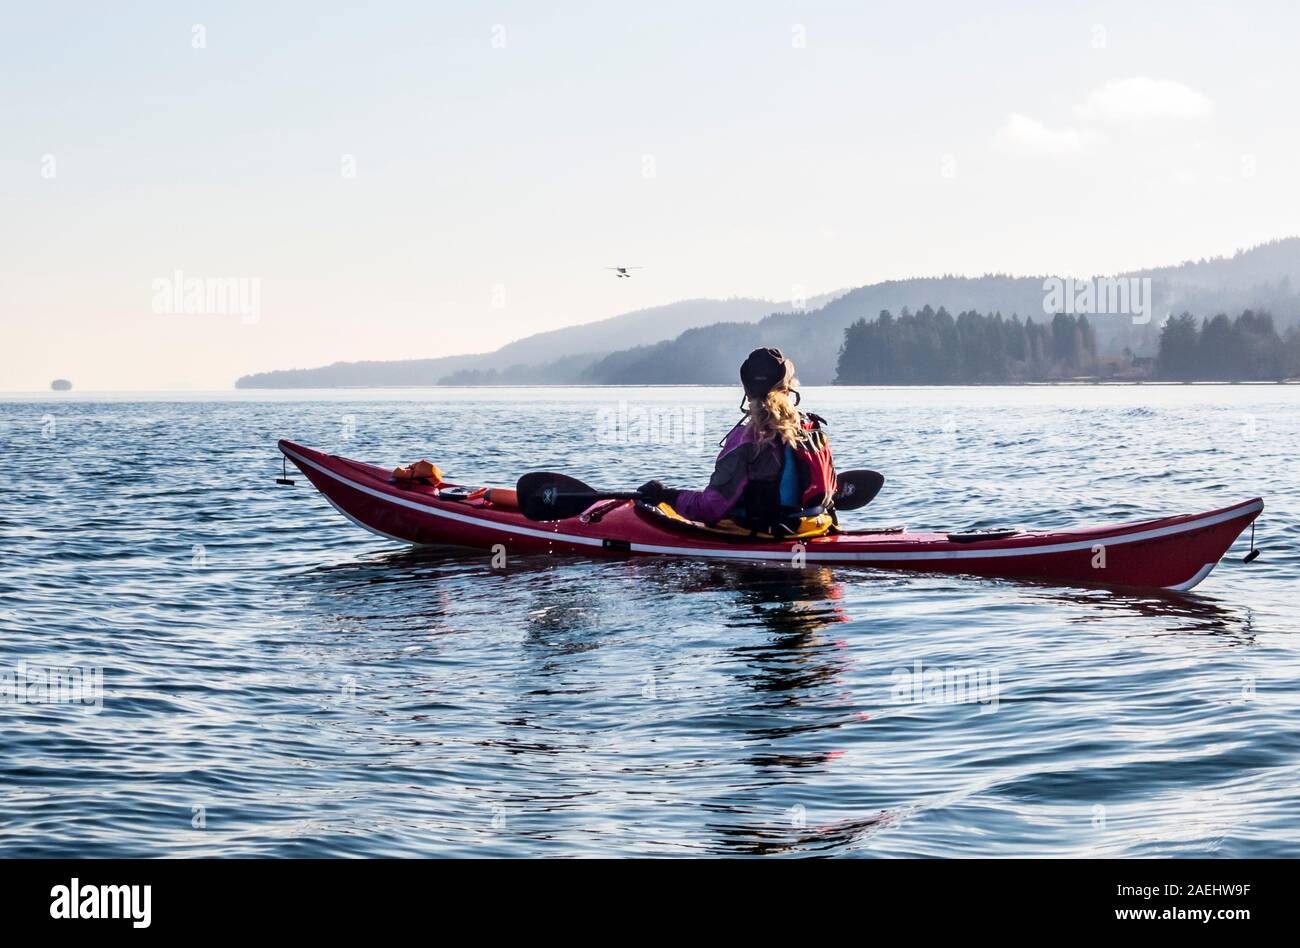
<point>1170,553</point>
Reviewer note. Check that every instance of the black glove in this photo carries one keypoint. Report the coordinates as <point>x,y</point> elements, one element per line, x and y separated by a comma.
<point>654,492</point>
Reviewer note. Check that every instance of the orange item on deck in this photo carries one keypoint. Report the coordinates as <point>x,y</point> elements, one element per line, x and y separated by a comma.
<point>502,497</point>
<point>419,470</point>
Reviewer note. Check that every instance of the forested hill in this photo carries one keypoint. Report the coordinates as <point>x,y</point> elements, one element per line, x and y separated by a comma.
<point>933,347</point>
<point>558,355</point>
<point>1261,278</point>
<point>703,341</point>
<point>710,354</point>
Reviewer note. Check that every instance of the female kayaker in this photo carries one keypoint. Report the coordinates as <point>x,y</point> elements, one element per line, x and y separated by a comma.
<point>775,465</point>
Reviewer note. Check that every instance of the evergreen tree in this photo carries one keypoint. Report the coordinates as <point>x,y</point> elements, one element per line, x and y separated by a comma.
<point>1179,355</point>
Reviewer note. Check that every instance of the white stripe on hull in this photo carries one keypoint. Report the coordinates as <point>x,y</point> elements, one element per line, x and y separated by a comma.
<point>811,554</point>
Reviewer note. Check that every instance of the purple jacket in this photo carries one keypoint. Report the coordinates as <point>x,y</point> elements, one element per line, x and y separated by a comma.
<point>740,461</point>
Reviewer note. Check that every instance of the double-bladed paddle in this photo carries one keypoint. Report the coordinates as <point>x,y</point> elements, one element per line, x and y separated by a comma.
<point>544,495</point>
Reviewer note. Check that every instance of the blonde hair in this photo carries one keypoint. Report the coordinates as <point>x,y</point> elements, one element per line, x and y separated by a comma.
<point>775,418</point>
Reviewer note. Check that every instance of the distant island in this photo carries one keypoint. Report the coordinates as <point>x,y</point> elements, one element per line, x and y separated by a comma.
<point>1007,330</point>
<point>61,385</point>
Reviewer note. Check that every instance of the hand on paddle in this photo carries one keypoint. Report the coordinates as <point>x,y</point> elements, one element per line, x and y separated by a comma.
<point>654,492</point>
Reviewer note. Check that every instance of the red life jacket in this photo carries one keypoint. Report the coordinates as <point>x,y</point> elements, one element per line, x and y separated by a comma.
<point>816,466</point>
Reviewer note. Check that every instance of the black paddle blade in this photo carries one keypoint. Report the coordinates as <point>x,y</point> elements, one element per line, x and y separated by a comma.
<point>856,489</point>
<point>547,496</point>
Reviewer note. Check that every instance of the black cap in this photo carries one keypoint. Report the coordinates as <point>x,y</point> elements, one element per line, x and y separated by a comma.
<point>764,370</point>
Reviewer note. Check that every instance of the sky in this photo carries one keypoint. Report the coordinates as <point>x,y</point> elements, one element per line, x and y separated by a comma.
<point>414,179</point>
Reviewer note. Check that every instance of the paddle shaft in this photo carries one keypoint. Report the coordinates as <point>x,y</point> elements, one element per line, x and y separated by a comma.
<point>547,496</point>
<point>595,495</point>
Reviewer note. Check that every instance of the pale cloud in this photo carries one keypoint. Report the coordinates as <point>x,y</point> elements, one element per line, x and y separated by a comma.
<point>1022,134</point>
<point>1140,97</point>
<point>1118,100</point>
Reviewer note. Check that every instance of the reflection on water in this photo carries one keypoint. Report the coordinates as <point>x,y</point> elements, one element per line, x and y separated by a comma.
<point>1187,612</point>
<point>797,837</point>
<point>320,693</point>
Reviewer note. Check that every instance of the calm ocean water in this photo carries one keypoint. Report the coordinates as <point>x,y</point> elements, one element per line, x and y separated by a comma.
<point>274,681</point>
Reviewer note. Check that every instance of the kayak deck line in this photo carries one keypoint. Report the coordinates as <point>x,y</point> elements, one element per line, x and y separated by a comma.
<point>1173,553</point>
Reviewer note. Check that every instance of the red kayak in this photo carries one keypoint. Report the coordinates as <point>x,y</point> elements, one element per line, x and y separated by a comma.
<point>1170,553</point>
